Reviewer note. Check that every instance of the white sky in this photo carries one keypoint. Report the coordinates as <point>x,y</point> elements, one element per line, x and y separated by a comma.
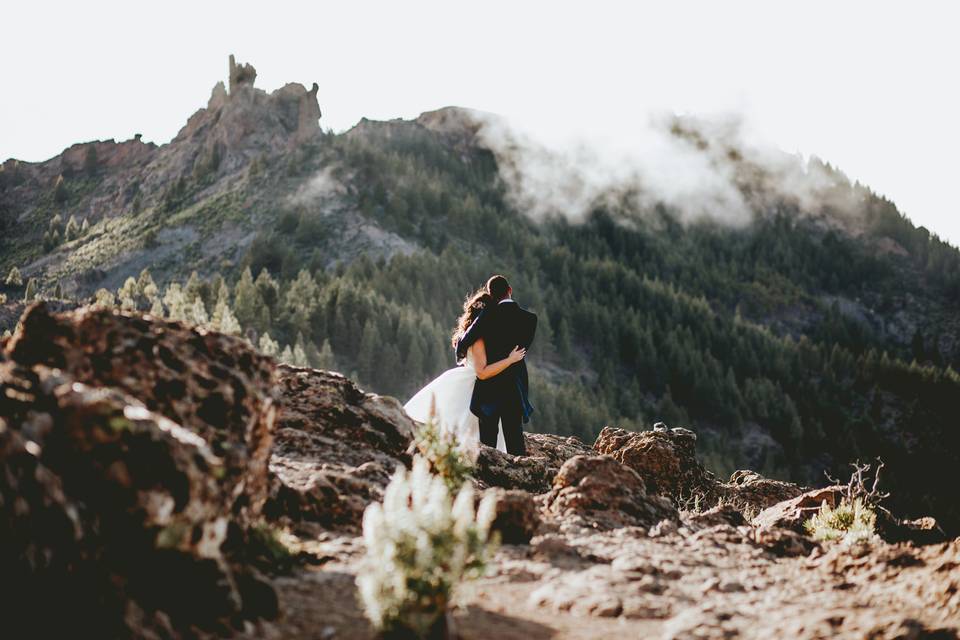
<point>871,87</point>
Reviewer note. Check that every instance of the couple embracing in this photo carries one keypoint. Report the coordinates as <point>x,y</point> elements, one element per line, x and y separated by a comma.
<point>487,398</point>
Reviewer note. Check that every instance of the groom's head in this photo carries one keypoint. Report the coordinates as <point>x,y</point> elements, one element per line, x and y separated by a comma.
<point>498,288</point>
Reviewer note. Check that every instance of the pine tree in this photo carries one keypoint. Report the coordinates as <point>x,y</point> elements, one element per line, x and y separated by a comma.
<point>300,302</point>
<point>14,279</point>
<point>545,336</point>
<point>326,360</point>
<point>147,287</point>
<point>31,291</point>
<point>72,230</point>
<point>564,344</point>
<point>193,287</point>
<point>269,289</point>
<point>286,356</point>
<point>248,305</point>
<point>129,294</point>
<point>145,278</point>
<point>669,412</point>
<point>300,356</point>
<point>174,301</point>
<point>196,313</point>
<point>84,227</point>
<point>156,307</point>
<point>414,362</point>
<point>104,298</point>
<point>58,291</point>
<point>268,346</point>
<point>369,350</point>
<point>389,364</point>
<point>228,322</point>
<point>212,290</point>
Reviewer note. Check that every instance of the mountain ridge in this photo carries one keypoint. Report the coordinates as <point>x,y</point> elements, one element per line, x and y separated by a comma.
<point>787,344</point>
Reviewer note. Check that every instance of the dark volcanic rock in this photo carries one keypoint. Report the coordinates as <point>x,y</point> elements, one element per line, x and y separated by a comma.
<point>602,493</point>
<point>517,517</point>
<point>117,520</point>
<point>336,448</point>
<point>214,385</point>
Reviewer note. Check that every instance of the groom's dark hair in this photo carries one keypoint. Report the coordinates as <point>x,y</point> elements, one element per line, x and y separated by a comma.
<point>498,288</point>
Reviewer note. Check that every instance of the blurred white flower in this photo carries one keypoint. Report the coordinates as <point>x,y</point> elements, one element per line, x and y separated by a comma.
<point>420,543</point>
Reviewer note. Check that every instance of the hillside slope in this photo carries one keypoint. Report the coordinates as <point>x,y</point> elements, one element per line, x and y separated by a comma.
<point>815,335</point>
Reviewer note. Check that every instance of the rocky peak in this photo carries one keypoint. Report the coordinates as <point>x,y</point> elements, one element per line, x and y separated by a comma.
<point>247,122</point>
<point>241,74</point>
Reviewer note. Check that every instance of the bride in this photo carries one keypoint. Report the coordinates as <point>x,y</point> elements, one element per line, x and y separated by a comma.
<point>447,398</point>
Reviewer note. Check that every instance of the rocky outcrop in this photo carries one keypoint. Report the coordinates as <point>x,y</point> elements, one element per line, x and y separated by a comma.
<point>336,448</point>
<point>215,386</point>
<point>533,472</point>
<point>599,492</point>
<point>517,516</point>
<point>791,514</point>
<point>666,460</point>
<point>132,460</point>
<point>752,492</point>
<point>241,74</point>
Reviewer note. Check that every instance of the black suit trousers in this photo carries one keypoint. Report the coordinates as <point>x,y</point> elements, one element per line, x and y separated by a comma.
<point>510,414</point>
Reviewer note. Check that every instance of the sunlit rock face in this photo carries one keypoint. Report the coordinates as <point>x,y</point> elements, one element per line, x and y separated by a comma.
<point>336,448</point>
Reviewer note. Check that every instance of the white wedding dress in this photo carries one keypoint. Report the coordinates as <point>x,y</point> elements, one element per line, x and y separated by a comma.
<point>448,398</point>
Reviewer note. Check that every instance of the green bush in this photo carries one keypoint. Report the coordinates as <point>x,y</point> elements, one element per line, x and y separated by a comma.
<point>850,522</point>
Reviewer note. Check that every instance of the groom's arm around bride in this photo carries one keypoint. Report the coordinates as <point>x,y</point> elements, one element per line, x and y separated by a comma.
<point>502,400</point>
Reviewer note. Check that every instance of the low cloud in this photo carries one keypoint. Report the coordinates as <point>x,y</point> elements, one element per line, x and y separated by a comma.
<point>318,189</point>
<point>699,169</point>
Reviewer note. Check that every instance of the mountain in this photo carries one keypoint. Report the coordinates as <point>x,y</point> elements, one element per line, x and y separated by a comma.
<point>821,330</point>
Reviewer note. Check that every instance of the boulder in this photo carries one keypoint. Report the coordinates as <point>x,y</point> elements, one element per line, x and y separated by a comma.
<point>665,459</point>
<point>113,517</point>
<point>533,472</point>
<point>722,514</point>
<point>133,464</point>
<point>752,492</point>
<point>214,385</point>
<point>335,448</point>
<point>601,493</point>
<point>517,517</point>
<point>791,514</point>
<point>921,531</point>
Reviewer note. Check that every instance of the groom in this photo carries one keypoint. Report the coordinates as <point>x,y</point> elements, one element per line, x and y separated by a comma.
<point>504,398</point>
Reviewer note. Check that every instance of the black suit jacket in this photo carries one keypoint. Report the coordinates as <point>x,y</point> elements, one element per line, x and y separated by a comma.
<point>502,327</point>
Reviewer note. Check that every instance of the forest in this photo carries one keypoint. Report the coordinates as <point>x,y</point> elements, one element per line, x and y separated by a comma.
<point>739,334</point>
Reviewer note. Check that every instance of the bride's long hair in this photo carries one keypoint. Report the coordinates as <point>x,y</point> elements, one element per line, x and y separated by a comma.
<point>472,306</point>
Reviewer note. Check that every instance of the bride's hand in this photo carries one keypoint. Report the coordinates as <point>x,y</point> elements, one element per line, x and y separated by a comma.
<point>517,354</point>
